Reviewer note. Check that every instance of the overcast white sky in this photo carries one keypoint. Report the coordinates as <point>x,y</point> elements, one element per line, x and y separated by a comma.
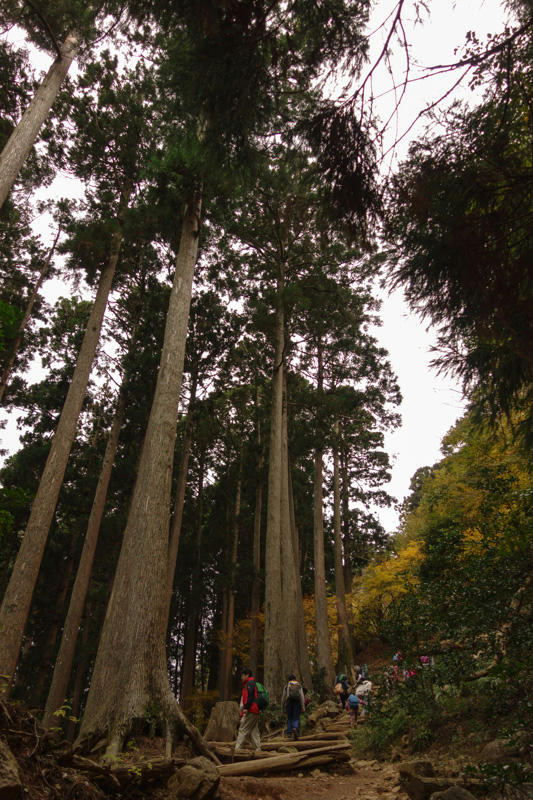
<point>431,403</point>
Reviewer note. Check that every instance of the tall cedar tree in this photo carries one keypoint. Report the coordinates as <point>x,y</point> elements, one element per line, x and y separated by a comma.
<point>107,149</point>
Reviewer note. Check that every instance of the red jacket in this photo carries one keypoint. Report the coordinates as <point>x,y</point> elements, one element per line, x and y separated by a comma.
<point>249,696</point>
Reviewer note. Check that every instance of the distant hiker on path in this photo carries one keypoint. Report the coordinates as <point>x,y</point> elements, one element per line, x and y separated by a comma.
<point>249,724</point>
<point>352,706</point>
<point>293,701</point>
<point>363,692</point>
<point>342,688</point>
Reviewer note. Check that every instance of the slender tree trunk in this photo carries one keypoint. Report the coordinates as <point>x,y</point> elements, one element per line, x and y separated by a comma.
<point>289,640</point>
<point>19,592</point>
<point>175,531</point>
<point>53,631</point>
<point>231,604</point>
<point>294,526</point>
<point>223,627</point>
<point>189,655</point>
<point>191,630</point>
<point>175,669</point>
<point>67,648</point>
<point>345,523</point>
<point>214,650</point>
<point>256,581</point>
<point>81,670</point>
<point>346,659</point>
<point>299,662</point>
<point>24,321</point>
<point>22,139</point>
<point>273,665</point>
<point>324,656</point>
<point>130,671</point>
<point>222,644</point>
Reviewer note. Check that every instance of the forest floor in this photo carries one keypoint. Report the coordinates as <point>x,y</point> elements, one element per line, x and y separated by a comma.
<point>44,777</point>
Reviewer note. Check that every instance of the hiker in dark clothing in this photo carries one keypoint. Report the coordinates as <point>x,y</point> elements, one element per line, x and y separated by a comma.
<point>293,701</point>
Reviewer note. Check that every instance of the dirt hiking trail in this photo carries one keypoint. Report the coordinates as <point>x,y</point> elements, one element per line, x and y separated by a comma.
<point>364,780</point>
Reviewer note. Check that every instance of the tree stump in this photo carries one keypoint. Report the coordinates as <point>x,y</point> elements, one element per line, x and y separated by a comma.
<point>223,722</point>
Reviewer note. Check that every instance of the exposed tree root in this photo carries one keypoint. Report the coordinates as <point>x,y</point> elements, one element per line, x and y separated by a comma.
<point>173,721</point>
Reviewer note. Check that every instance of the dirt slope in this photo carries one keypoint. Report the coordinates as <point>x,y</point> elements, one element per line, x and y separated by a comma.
<point>364,780</point>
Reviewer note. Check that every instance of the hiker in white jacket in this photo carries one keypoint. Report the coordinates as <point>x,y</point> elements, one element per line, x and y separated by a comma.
<point>363,692</point>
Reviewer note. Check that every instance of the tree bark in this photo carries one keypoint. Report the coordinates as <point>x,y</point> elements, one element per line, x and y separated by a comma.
<point>222,643</point>
<point>288,641</point>
<point>345,655</point>
<point>81,670</point>
<point>255,601</point>
<point>273,666</point>
<point>19,592</point>
<point>179,503</point>
<point>193,612</point>
<point>291,571</point>
<point>27,313</point>
<point>230,623</point>
<point>22,139</point>
<point>345,522</point>
<point>256,581</point>
<point>130,671</point>
<point>47,659</point>
<point>324,657</point>
<point>67,648</point>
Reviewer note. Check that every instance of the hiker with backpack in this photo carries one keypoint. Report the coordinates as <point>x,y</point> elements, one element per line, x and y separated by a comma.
<point>293,701</point>
<point>249,724</point>
<point>342,688</point>
<point>352,706</point>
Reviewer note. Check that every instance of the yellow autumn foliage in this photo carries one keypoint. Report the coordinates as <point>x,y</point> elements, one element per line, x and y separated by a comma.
<point>380,584</point>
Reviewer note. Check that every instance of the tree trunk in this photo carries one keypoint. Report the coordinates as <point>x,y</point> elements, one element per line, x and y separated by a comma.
<point>19,592</point>
<point>67,648</point>
<point>22,139</point>
<point>256,581</point>
<point>193,614</point>
<point>81,670</point>
<point>291,567</point>
<point>48,650</point>
<point>345,523</point>
<point>346,659</point>
<point>273,666</point>
<point>289,640</point>
<point>189,655</point>
<point>221,614</point>
<point>130,672</point>
<point>24,321</point>
<point>175,531</point>
<point>228,652</point>
<point>324,657</point>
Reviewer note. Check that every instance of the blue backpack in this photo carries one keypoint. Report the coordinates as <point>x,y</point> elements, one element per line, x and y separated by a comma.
<point>353,700</point>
